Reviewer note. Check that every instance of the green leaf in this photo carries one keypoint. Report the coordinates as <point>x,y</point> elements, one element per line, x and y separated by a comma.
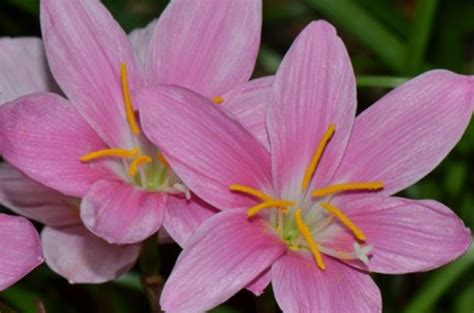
<point>356,20</point>
<point>420,35</point>
<point>441,281</point>
<point>380,81</point>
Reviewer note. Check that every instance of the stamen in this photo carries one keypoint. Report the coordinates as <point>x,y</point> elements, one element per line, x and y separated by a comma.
<point>121,153</point>
<point>251,191</point>
<point>317,156</point>
<point>313,246</point>
<point>217,100</point>
<point>160,157</point>
<point>344,220</point>
<point>376,185</point>
<point>280,204</point>
<point>133,168</point>
<point>128,101</point>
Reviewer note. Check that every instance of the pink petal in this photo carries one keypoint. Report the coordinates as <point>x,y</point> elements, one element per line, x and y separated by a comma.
<point>76,254</point>
<point>314,87</point>
<point>408,235</point>
<point>301,287</point>
<point>44,137</point>
<point>20,252</point>
<point>247,104</point>
<point>23,67</point>
<point>140,39</point>
<point>25,196</point>
<point>407,133</point>
<point>227,253</point>
<point>207,46</point>
<point>85,48</point>
<point>258,285</point>
<point>206,148</point>
<point>121,213</point>
<point>183,217</point>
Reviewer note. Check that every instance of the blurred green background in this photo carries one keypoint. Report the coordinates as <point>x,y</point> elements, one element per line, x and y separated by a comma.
<point>389,41</point>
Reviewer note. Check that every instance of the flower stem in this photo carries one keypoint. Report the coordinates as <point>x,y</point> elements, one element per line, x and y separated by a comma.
<point>150,278</point>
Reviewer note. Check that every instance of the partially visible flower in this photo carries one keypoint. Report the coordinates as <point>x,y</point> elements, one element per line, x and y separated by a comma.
<point>91,146</point>
<point>316,214</point>
<point>69,248</point>
<point>21,250</point>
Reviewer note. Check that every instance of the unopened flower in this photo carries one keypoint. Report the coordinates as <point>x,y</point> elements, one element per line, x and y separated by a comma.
<point>316,214</point>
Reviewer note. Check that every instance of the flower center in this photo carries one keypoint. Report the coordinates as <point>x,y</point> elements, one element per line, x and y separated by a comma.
<point>309,224</point>
<point>142,169</point>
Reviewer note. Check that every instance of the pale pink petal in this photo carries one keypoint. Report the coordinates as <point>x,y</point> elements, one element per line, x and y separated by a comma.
<point>121,213</point>
<point>23,67</point>
<point>85,48</point>
<point>206,148</point>
<point>408,235</point>
<point>140,39</point>
<point>207,46</point>
<point>44,137</point>
<point>407,133</point>
<point>247,104</point>
<point>226,254</point>
<point>25,196</point>
<point>21,250</point>
<point>258,285</point>
<point>301,287</point>
<point>183,217</point>
<point>314,87</point>
<point>76,254</point>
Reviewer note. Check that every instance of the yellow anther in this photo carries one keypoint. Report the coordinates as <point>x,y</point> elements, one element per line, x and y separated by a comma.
<point>344,220</point>
<point>308,237</point>
<point>132,121</point>
<point>251,191</point>
<point>279,204</point>
<point>217,100</point>
<point>133,168</point>
<point>376,185</point>
<point>160,157</point>
<point>121,153</point>
<point>317,156</point>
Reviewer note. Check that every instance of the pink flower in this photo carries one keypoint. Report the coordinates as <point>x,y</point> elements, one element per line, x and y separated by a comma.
<point>21,251</point>
<point>91,145</point>
<point>316,214</point>
<point>69,248</point>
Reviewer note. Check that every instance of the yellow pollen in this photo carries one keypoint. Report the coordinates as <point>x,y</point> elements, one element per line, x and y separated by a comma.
<point>128,101</point>
<point>344,220</point>
<point>121,153</point>
<point>133,168</point>
<point>251,191</point>
<point>306,233</point>
<point>317,156</point>
<point>280,204</point>
<point>160,157</point>
<point>376,185</point>
<point>217,100</point>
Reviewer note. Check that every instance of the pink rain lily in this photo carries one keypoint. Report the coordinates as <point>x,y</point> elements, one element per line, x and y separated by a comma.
<point>90,145</point>
<point>315,214</point>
